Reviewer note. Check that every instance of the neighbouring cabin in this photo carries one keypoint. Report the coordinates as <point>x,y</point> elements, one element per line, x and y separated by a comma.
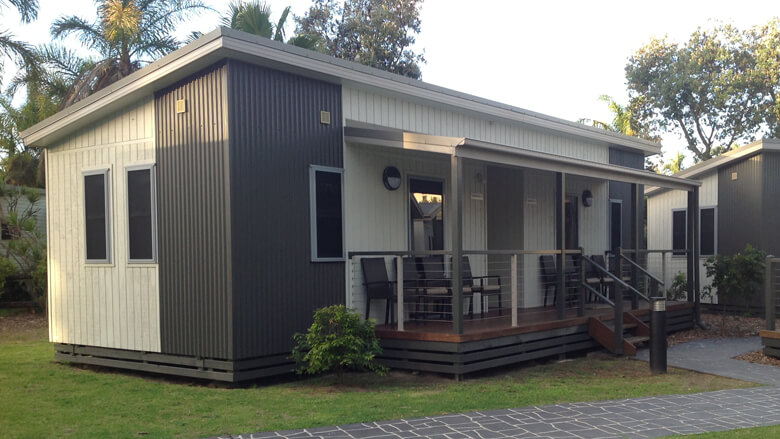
<point>737,206</point>
<point>202,208</point>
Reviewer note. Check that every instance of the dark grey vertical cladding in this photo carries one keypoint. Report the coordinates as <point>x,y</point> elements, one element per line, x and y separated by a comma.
<point>276,135</point>
<point>193,214</point>
<point>771,202</point>
<point>739,206</point>
<point>622,191</point>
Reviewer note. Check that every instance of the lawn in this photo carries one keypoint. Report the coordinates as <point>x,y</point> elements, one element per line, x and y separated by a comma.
<point>41,398</point>
<point>771,432</point>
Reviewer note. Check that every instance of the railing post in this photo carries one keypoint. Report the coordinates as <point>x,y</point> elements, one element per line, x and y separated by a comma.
<point>619,305</point>
<point>399,291</point>
<point>769,295</point>
<point>513,275</point>
<point>581,289</point>
<point>663,271</point>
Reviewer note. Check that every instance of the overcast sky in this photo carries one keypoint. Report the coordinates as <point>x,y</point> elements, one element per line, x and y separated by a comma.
<point>554,57</point>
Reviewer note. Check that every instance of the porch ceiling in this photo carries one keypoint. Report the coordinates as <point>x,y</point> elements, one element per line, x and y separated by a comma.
<point>509,155</point>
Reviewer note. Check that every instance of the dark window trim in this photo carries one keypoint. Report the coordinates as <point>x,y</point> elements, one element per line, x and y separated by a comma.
<point>313,169</point>
<point>153,188</point>
<point>714,230</point>
<point>609,222</point>
<point>106,173</point>
<point>681,253</point>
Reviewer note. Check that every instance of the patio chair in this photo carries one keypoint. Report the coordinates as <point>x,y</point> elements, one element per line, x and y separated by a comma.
<point>484,288</point>
<point>594,276</point>
<point>413,282</point>
<point>438,287</point>
<point>549,276</point>
<point>378,286</point>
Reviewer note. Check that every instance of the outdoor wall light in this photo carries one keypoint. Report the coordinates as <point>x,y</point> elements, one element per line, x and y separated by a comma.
<point>587,198</point>
<point>391,177</point>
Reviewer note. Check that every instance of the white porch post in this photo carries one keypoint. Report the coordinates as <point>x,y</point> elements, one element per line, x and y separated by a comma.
<point>399,291</point>
<point>456,220</point>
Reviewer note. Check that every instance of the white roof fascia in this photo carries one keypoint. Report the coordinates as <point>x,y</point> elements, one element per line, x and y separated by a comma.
<point>228,43</point>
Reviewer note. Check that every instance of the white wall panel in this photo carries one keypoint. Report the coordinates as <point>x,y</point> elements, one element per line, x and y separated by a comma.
<point>372,108</point>
<point>112,305</point>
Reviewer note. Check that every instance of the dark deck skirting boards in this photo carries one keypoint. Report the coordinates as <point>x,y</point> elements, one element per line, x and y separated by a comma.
<point>455,358</point>
<point>205,368</point>
<point>771,342</point>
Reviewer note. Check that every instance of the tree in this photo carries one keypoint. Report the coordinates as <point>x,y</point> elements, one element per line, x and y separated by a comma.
<point>9,46</point>
<point>126,35</point>
<point>623,121</point>
<point>706,89</point>
<point>674,165</point>
<point>737,277</point>
<point>377,33</point>
<point>764,42</point>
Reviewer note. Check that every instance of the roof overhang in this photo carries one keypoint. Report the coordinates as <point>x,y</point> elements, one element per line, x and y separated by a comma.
<point>701,169</point>
<point>510,156</point>
<point>225,43</point>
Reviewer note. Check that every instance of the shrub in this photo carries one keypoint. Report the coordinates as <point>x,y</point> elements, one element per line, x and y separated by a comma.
<point>337,341</point>
<point>678,290</point>
<point>736,277</point>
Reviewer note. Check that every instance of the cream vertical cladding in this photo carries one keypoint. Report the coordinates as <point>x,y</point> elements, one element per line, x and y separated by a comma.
<point>113,305</point>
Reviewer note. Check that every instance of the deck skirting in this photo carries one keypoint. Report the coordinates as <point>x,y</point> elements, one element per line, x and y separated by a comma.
<point>193,367</point>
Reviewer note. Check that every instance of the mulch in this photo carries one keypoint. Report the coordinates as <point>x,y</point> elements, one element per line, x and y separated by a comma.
<point>24,321</point>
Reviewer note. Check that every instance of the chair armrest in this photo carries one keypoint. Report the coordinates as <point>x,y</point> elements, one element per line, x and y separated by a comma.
<point>482,279</point>
<point>389,282</point>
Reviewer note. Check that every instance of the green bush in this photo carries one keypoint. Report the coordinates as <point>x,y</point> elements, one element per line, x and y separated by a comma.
<point>736,277</point>
<point>337,341</point>
<point>678,290</point>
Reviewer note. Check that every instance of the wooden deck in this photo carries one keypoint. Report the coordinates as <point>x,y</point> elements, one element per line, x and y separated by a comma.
<point>492,341</point>
<point>493,326</point>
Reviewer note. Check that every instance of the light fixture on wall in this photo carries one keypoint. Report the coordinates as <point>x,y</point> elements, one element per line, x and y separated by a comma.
<point>587,198</point>
<point>391,178</point>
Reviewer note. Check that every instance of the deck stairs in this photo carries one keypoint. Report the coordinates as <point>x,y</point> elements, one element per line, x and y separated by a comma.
<point>635,333</point>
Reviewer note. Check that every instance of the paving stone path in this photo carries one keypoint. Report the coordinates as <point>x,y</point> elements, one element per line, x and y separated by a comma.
<point>648,417</point>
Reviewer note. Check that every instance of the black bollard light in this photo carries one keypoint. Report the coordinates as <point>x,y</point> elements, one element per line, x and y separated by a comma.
<point>657,335</point>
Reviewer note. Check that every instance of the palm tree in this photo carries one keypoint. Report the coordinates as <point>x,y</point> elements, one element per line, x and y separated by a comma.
<point>623,121</point>
<point>126,35</point>
<point>9,46</point>
<point>675,165</point>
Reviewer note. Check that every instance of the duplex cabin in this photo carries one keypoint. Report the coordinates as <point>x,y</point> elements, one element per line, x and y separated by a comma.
<point>738,205</point>
<point>203,207</point>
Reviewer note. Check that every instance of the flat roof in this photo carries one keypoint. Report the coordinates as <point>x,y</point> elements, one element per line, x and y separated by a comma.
<point>224,43</point>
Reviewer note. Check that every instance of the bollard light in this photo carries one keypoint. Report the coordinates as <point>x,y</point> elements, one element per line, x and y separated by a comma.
<point>657,335</point>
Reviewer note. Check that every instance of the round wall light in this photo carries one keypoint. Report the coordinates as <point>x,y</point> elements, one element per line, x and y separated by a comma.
<point>587,198</point>
<point>391,177</point>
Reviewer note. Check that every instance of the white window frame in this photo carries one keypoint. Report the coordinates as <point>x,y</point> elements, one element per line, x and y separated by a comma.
<point>714,230</point>
<point>153,187</point>
<point>106,173</point>
<point>313,169</point>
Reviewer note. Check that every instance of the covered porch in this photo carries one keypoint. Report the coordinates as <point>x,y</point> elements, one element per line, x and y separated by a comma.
<point>536,240</point>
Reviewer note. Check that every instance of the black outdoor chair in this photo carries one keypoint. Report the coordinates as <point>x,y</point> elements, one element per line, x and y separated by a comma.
<point>594,276</point>
<point>378,286</point>
<point>438,287</point>
<point>482,286</point>
<point>551,278</point>
<point>413,283</point>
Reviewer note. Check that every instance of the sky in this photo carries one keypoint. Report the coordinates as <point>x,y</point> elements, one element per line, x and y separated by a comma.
<point>553,57</point>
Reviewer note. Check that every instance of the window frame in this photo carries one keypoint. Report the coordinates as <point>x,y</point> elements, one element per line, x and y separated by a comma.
<point>106,173</point>
<point>313,232</point>
<point>153,199</point>
<point>714,230</point>
<point>680,253</point>
<point>619,202</point>
<point>444,207</point>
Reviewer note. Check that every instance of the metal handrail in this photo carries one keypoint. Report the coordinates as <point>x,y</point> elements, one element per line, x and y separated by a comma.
<point>464,252</point>
<point>639,267</point>
<point>597,293</point>
<point>616,279</point>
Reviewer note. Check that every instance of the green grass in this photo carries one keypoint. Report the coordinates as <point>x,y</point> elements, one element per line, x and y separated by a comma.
<point>772,432</point>
<point>40,398</point>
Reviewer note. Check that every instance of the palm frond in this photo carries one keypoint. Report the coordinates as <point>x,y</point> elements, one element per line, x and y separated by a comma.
<point>89,34</point>
<point>279,34</point>
<point>28,9</point>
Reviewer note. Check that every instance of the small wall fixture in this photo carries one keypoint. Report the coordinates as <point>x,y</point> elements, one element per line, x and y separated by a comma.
<point>181,106</point>
<point>587,198</point>
<point>391,178</point>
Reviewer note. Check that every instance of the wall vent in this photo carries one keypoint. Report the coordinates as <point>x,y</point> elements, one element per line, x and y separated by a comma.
<point>181,106</point>
<point>325,117</point>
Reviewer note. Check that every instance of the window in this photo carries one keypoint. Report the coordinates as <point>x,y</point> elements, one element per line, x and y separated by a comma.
<point>327,231</point>
<point>615,224</point>
<point>426,211</point>
<point>679,232</point>
<point>141,218</point>
<point>96,215</point>
<point>707,231</point>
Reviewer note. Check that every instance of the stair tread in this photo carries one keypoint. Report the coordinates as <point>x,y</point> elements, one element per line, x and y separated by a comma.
<point>637,339</point>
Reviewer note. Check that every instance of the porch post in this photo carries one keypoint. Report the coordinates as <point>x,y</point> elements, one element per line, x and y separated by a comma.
<point>696,251</point>
<point>692,243</point>
<point>456,220</point>
<point>560,212</point>
<point>635,231</point>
